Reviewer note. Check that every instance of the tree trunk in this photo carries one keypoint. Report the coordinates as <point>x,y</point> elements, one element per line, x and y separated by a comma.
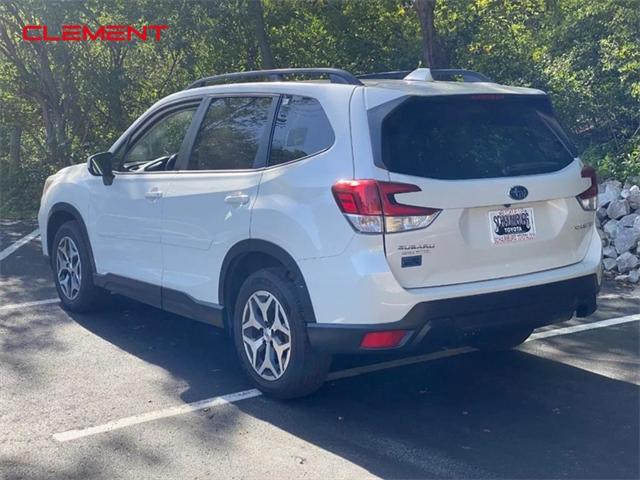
<point>257,12</point>
<point>15,140</point>
<point>431,54</point>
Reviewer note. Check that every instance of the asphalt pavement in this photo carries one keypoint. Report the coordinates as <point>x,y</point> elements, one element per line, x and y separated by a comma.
<point>113,395</point>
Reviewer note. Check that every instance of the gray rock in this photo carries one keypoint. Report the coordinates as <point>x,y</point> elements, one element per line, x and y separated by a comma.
<point>610,252</point>
<point>609,264</point>
<point>631,181</point>
<point>612,183</point>
<point>634,197</point>
<point>627,262</point>
<point>626,239</point>
<point>618,209</point>
<point>608,195</point>
<point>627,220</point>
<point>601,214</point>
<point>621,278</point>
<point>634,276</point>
<point>603,237</point>
<point>625,193</point>
<point>610,228</point>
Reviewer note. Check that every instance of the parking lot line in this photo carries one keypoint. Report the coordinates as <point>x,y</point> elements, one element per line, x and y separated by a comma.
<point>351,372</point>
<point>164,413</point>
<point>15,246</point>
<point>582,327</point>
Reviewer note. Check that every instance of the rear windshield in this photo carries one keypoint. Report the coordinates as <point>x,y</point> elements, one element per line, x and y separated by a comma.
<point>476,136</point>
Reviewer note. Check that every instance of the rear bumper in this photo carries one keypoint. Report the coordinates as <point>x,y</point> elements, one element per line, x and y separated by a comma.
<point>453,319</point>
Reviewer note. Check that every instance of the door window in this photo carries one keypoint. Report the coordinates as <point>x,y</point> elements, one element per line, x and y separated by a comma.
<point>161,143</point>
<point>302,129</point>
<point>231,134</point>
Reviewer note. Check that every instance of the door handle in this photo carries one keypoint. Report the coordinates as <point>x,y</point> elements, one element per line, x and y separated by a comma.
<point>237,199</point>
<point>153,194</point>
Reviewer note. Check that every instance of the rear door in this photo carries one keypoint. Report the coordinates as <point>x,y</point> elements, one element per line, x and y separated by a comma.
<point>502,172</point>
<point>208,206</point>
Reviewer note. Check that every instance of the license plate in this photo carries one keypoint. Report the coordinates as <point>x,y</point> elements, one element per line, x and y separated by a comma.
<point>511,225</point>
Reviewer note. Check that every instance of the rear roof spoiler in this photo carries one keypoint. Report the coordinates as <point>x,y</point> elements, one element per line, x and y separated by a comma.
<point>430,75</point>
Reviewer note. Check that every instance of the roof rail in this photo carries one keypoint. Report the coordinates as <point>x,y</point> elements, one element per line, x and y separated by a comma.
<point>430,75</point>
<point>335,76</point>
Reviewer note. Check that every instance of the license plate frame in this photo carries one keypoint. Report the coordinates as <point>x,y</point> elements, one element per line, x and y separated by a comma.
<point>512,225</point>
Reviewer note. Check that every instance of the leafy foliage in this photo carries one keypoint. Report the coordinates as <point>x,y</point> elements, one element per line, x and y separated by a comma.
<point>61,101</point>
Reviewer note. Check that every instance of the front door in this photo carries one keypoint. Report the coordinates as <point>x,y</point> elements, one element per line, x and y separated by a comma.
<point>125,217</point>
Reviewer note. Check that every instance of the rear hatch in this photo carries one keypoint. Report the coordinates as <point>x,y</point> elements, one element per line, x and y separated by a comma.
<point>505,178</point>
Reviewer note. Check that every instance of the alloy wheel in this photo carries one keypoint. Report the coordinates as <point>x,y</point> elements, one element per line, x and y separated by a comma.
<point>68,268</point>
<point>266,335</point>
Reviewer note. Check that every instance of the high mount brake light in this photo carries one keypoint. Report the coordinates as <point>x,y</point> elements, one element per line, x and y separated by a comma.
<point>371,206</point>
<point>588,199</point>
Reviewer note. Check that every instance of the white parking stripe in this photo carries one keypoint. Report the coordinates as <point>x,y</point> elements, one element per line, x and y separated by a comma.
<point>583,327</point>
<point>164,413</point>
<point>16,306</point>
<point>15,246</point>
<point>351,372</point>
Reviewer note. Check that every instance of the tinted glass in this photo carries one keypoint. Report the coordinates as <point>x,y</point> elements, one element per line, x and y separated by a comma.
<point>164,138</point>
<point>230,134</point>
<point>473,137</point>
<point>302,129</point>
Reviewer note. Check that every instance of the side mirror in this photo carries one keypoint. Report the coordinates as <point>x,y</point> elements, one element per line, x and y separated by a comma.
<point>101,165</point>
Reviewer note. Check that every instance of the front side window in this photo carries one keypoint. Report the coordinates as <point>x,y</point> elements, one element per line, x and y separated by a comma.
<point>231,134</point>
<point>302,129</point>
<point>162,140</point>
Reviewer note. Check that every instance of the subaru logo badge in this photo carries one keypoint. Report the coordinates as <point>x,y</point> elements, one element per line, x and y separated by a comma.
<point>518,192</point>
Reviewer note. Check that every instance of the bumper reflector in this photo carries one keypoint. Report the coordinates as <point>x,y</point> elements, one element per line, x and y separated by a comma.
<point>386,339</point>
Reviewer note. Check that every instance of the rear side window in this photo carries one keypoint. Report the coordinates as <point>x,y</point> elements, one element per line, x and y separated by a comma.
<point>478,136</point>
<point>231,133</point>
<point>302,129</point>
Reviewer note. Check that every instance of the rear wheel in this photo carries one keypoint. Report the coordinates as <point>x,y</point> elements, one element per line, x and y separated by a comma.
<point>270,336</point>
<point>494,341</point>
<point>73,274</point>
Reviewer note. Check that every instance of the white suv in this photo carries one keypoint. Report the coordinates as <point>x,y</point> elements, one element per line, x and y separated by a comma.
<point>341,215</point>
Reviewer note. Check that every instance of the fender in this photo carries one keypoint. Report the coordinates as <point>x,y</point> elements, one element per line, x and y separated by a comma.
<point>254,245</point>
<point>72,211</point>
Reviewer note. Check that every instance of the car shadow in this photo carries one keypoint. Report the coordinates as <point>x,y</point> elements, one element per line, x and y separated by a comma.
<point>512,414</point>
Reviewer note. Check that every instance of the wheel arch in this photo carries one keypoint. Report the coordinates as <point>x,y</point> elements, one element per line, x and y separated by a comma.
<point>249,256</point>
<point>61,213</point>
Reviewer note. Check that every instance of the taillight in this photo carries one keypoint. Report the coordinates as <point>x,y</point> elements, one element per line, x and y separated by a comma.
<point>589,198</point>
<point>371,206</point>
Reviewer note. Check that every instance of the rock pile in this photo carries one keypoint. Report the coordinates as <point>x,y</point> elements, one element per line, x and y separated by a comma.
<point>618,223</point>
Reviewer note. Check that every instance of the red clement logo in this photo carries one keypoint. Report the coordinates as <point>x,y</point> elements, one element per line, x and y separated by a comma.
<point>83,33</point>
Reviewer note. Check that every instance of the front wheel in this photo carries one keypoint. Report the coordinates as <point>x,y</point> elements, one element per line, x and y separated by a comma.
<point>270,336</point>
<point>72,270</point>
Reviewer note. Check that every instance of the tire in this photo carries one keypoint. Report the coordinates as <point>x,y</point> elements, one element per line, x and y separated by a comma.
<point>80,295</point>
<point>498,340</point>
<point>297,373</point>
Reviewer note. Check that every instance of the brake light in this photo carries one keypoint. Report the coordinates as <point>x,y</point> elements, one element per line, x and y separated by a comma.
<point>589,198</point>
<point>386,339</point>
<point>371,206</point>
